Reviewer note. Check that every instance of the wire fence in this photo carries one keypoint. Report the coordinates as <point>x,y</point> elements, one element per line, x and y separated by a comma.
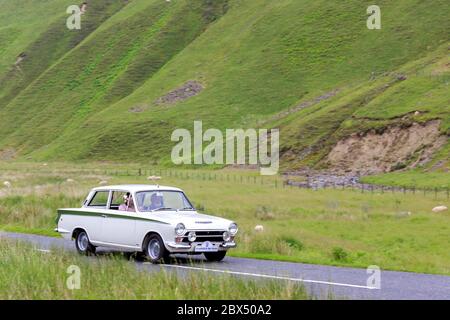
<point>276,182</point>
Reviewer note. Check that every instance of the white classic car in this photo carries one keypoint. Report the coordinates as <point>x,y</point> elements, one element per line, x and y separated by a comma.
<point>148,219</point>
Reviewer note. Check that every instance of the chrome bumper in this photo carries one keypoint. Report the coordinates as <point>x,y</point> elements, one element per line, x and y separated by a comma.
<point>61,230</point>
<point>228,245</point>
<point>174,245</point>
<point>184,247</point>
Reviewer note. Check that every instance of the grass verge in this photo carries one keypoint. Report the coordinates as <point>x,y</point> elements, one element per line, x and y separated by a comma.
<point>29,274</point>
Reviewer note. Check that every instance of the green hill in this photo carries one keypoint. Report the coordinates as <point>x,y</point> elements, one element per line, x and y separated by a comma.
<point>311,68</point>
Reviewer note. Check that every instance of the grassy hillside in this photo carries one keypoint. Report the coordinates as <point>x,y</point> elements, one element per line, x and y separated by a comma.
<point>417,92</point>
<point>49,46</point>
<point>97,95</point>
<point>21,23</point>
<point>118,56</point>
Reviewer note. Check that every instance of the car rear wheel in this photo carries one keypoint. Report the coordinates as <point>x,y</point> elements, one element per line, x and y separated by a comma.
<point>215,256</point>
<point>83,245</point>
<point>155,250</point>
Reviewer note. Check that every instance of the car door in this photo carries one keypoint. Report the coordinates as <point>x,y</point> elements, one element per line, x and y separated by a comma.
<point>119,226</point>
<point>93,218</point>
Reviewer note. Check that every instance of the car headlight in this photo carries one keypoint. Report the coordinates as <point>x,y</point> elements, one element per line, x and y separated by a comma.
<point>233,228</point>
<point>180,229</point>
<point>192,236</point>
<point>226,236</point>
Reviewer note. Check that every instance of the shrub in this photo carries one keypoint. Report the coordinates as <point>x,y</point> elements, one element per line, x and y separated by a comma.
<point>339,254</point>
<point>293,243</point>
<point>267,244</point>
<point>398,166</point>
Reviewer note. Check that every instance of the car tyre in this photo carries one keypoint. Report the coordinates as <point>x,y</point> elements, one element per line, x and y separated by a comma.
<point>83,245</point>
<point>155,250</point>
<point>140,256</point>
<point>215,256</point>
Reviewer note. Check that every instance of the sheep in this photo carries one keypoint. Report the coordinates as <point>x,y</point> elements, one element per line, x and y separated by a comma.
<point>259,228</point>
<point>154,178</point>
<point>7,184</point>
<point>440,209</point>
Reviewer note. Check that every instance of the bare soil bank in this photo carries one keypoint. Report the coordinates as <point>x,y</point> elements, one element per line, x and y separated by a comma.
<point>396,148</point>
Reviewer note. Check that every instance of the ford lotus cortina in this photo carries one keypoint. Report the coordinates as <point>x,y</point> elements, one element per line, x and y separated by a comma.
<point>151,220</point>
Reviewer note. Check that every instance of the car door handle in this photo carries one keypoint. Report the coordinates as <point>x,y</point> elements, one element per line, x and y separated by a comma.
<point>104,216</point>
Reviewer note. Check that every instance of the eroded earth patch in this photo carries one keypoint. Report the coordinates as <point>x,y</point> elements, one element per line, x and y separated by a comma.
<point>396,148</point>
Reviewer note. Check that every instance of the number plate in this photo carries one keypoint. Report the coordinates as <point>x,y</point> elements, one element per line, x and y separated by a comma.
<point>206,247</point>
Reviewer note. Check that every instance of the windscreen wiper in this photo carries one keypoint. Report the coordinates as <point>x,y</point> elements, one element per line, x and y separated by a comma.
<point>163,209</point>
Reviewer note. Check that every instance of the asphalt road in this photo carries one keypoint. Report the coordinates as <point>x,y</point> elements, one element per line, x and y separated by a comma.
<point>321,281</point>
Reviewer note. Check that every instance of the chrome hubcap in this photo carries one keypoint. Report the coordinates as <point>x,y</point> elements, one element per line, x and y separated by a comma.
<point>83,241</point>
<point>154,249</point>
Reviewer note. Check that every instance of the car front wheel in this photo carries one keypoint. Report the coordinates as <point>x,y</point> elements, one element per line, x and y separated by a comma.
<point>215,256</point>
<point>83,244</point>
<point>155,250</point>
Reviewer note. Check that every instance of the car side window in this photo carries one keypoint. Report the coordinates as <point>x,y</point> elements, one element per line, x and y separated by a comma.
<point>100,199</point>
<point>117,199</point>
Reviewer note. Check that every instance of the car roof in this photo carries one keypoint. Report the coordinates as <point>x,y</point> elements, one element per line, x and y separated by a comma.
<point>136,187</point>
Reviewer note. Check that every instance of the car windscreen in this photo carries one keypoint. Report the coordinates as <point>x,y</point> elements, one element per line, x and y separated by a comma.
<point>161,200</point>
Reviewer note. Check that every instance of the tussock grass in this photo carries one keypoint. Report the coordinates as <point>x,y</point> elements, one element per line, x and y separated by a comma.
<point>26,273</point>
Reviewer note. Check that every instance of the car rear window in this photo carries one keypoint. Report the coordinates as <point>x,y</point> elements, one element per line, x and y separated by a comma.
<point>100,199</point>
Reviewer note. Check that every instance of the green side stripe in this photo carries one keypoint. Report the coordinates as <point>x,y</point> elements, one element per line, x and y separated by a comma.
<point>97,214</point>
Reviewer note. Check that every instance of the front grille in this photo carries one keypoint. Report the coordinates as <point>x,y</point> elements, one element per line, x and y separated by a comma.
<point>208,233</point>
<point>203,239</point>
<point>202,236</point>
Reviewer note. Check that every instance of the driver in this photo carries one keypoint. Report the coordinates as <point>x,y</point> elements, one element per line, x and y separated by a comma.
<point>157,201</point>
